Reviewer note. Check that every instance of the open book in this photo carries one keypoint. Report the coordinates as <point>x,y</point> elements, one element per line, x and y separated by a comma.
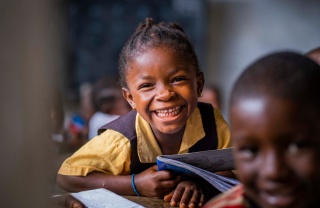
<point>202,164</point>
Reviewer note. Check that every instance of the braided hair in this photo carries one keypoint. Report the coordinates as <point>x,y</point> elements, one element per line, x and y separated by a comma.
<point>150,35</point>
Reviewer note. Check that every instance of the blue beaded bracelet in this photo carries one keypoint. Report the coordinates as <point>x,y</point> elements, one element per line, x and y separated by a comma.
<point>133,185</point>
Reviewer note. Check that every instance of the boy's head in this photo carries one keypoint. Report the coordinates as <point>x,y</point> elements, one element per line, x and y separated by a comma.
<point>106,97</point>
<point>160,76</point>
<point>274,114</point>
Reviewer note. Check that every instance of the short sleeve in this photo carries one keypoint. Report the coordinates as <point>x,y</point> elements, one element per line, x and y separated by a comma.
<point>108,153</point>
<point>223,131</point>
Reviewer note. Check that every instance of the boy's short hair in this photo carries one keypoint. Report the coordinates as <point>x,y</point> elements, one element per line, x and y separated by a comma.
<point>104,92</point>
<point>287,75</point>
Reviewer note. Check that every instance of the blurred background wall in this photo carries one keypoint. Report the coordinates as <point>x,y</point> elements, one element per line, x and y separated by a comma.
<point>240,31</point>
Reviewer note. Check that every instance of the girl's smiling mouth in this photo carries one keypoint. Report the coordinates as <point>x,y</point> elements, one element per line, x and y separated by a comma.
<point>169,112</point>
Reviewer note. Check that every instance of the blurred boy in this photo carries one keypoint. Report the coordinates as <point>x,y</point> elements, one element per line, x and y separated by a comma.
<point>275,119</point>
<point>108,104</point>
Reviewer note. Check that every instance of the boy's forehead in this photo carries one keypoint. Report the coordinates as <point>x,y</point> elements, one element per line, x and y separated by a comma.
<point>269,115</point>
<point>251,105</point>
<point>262,110</point>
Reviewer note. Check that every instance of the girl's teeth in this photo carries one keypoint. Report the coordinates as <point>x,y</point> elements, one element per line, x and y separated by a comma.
<point>168,112</point>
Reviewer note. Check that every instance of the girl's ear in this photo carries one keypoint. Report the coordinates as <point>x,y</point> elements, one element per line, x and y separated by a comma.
<point>200,83</point>
<point>128,96</point>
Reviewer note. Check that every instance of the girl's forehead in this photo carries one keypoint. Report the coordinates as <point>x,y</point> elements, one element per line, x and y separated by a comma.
<point>158,49</point>
<point>159,57</point>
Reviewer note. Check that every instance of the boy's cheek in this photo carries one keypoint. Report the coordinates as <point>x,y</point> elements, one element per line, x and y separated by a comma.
<point>245,171</point>
<point>307,165</point>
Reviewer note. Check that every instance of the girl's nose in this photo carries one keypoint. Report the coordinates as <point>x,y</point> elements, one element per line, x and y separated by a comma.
<point>164,94</point>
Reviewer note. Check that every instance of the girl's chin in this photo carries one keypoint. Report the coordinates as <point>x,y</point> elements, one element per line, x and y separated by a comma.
<point>170,130</point>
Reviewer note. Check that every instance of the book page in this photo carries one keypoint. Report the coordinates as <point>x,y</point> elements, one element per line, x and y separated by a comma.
<point>103,198</point>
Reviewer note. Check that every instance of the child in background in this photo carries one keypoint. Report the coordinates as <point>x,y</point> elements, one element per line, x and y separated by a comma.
<point>161,80</point>
<point>108,103</point>
<point>211,94</point>
<point>275,120</point>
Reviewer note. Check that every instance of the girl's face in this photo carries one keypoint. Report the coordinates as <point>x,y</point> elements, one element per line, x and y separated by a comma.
<point>163,88</point>
<point>277,154</point>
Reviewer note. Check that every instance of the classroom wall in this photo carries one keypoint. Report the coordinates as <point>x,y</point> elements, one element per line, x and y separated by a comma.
<point>240,31</point>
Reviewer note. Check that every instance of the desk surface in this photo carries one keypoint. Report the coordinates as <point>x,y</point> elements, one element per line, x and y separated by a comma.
<point>149,202</point>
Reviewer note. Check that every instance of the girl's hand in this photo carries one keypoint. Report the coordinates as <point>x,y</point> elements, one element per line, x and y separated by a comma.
<point>154,183</point>
<point>188,193</point>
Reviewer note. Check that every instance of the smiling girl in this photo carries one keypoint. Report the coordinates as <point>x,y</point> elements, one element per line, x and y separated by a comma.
<point>161,80</point>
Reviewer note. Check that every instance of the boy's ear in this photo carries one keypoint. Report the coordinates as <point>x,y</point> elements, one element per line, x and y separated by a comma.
<point>128,96</point>
<point>200,83</point>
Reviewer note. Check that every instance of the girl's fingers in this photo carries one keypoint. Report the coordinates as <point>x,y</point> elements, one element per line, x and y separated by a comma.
<point>186,198</point>
<point>168,197</point>
<point>177,194</point>
<point>192,198</point>
<point>170,183</point>
<point>201,200</point>
<point>196,200</point>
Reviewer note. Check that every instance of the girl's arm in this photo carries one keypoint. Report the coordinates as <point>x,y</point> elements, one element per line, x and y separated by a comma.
<point>119,184</point>
<point>151,182</point>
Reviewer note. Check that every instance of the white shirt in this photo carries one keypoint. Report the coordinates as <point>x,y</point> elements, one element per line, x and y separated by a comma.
<point>97,120</point>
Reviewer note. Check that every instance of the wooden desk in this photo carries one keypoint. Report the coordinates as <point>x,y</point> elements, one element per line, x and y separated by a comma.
<point>149,202</point>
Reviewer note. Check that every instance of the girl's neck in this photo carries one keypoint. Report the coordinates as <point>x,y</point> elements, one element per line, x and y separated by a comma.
<point>169,143</point>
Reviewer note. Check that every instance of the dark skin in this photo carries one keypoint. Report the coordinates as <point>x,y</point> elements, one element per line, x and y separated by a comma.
<point>277,152</point>
<point>154,183</point>
<point>164,89</point>
<point>167,145</point>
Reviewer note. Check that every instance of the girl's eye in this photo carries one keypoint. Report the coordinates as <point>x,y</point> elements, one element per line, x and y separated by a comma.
<point>179,79</point>
<point>143,86</point>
